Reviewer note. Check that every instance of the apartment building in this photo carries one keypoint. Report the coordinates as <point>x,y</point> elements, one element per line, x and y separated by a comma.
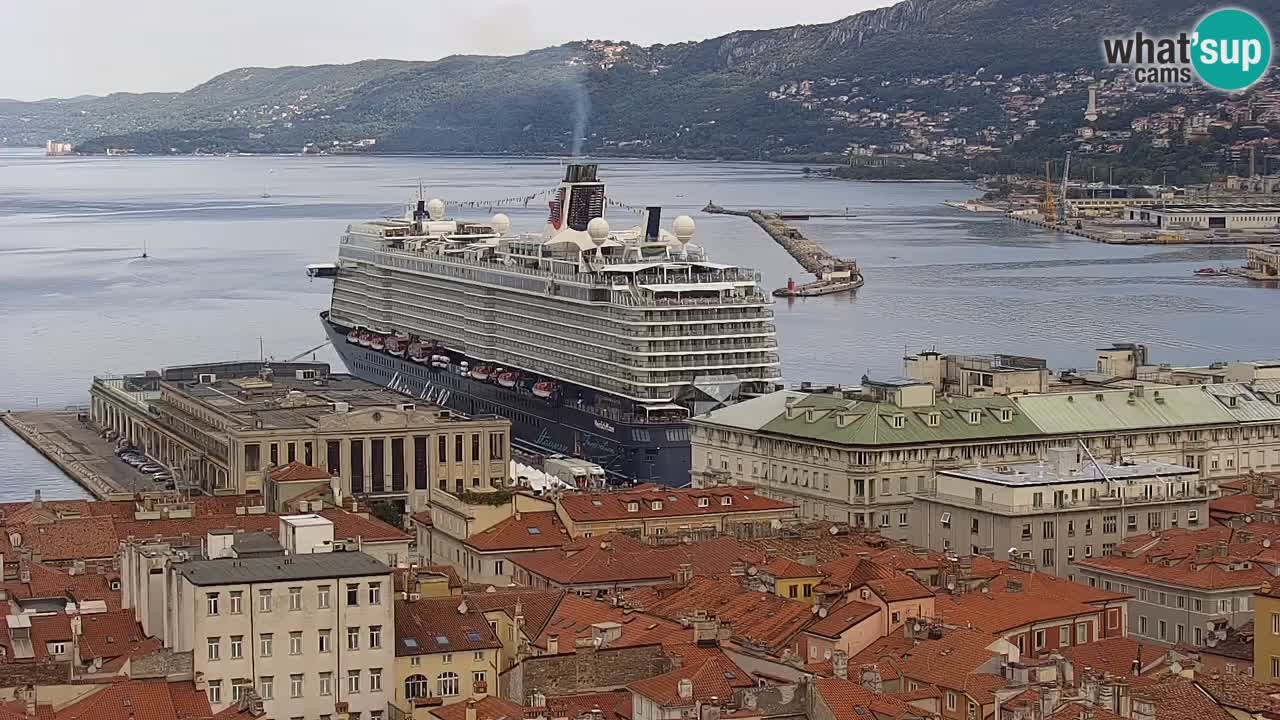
<point>444,530</point>
<point>224,427</point>
<point>1054,513</point>
<point>655,514</point>
<point>311,631</point>
<point>445,651</point>
<point>858,456</point>
<point>1266,634</point>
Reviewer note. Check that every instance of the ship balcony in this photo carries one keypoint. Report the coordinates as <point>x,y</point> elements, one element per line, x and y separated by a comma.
<point>707,331</point>
<point>707,345</point>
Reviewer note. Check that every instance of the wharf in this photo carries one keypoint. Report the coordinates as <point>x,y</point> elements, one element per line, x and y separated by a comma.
<point>1129,234</point>
<point>808,253</point>
<point>74,446</point>
<point>974,206</point>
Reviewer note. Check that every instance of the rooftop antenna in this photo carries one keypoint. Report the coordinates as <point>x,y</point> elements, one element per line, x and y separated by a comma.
<point>1097,466</point>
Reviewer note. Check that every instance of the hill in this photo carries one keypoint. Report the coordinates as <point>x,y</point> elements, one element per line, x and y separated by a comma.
<point>787,92</point>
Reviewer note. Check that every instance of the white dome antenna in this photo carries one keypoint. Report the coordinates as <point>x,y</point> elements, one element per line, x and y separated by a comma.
<point>500,223</point>
<point>598,231</point>
<point>683,228</point>
<point>435,208</point>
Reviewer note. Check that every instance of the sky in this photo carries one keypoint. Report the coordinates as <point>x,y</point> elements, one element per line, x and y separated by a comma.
<point>63,48</point>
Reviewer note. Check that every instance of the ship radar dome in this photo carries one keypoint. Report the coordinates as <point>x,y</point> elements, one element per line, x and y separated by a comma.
<point>500,223</point>
<point>598,230</point>
<point>435,208</point>
<point>683,227</point>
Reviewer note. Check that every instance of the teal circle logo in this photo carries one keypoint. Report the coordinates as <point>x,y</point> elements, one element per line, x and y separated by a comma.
<point>1231,49</point>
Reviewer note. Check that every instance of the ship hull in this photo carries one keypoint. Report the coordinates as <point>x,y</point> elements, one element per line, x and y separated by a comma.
<point>642,452</point>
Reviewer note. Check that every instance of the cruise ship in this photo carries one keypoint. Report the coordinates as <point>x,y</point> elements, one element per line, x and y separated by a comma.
<point>595,342</point>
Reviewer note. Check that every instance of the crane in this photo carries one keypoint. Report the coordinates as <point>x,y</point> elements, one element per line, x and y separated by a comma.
<point>1048,207</point>
<point>1062,203</point>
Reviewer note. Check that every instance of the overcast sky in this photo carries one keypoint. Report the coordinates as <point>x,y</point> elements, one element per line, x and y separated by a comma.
<point>61,48</point>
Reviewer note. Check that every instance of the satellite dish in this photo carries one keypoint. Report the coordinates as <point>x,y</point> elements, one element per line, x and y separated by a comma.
<point>683,228</point>
<point>435,208</point>
<point>598,230</point>
<point>500,223</point>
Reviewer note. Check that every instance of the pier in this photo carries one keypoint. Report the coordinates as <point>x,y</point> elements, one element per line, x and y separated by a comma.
<point>834,274</point>
<point>71,443</point>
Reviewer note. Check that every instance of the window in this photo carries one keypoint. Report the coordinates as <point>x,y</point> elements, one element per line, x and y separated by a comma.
<point>499,567</point>
<point>1046,557</point>
<point>1026,531</point>
<point>1193,517</point>
<point>1040,639</point>
<point>326,683</point>
<point>353,681</point>
<point>1275,623</point>
<point>951,700</point>
<point>1196,604</point>
<point>375,636</point>
<point>1164,630</point>
<point>1064,635</point>
<point>375,680</point>
<point>726,500</point>
<point>416,686</point>
<point>447,684</point>
<point>1275,666</point>
<point>295,686</point>
<point>322,597</point>
<point>211,603</point>
<point>1109,523</point>
<point>704,502</point>
<point>353,594</point>
<point>264,601</point>
<point>214,645</point>
<point>1131,522</point>
<point>215,692</point>
<point>265,643</point>
<point>237,602</point>
<point>1047,529</point>
<point>237,647</point>
<point>1142,624</point>
<point>1082,633</point>
<point>946,519</point>
<point>295,643</point>
<point>295,599</point>
<point>375,593</point>
<point>325,637</point>
<point>973,526</point>
<point>237,688</point>
<point>353,638</point>
<point>479,678</point>
<point>1181,635</point>
<point>266,689</point>
<point>902,518</point>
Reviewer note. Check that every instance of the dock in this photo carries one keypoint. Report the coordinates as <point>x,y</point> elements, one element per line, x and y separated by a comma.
<point>69,441</point>
<point>808,253</point>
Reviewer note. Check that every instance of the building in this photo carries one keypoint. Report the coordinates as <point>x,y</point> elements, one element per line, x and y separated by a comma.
<point>1227,216</point>
<point>1263,261</point>
<point>310,631</point>
<point>655,514</point>
<point>1187,586</point>
<point>454,517</point>
<point>445,651</point>
<point>978,375</point>
<point>1058,512</point>
<point>963,666</point>
<point>680,693</point>
<point>489,552</point>
<point>224,427</point>
<point>1266,636</point>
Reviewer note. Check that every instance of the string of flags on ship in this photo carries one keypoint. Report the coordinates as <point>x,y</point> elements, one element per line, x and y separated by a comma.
<point>523,201</point>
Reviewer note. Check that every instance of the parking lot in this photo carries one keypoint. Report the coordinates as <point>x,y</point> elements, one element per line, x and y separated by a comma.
<point>80,442</point>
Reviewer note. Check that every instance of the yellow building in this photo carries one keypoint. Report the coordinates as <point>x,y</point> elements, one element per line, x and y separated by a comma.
<point>1266,634</point>
<point>446,652</point>
<point>790,579</point>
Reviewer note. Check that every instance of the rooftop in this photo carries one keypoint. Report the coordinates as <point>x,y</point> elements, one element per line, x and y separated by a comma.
<point>1027,474</point>
<point>441,625</point>
<point>280,568</point>
<point>522,531</point>
<point>667,502</point>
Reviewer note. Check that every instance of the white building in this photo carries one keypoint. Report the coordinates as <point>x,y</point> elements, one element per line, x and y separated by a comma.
<point>310,630</point>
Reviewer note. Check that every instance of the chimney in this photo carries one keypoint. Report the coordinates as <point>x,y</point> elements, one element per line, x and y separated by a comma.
<point>553,644</point>
<point>37,502</point>
<point>840,664</point>
<point>471,710</point>
<point>686,689</point>
<point>870,679</point>
<point>685,573</point>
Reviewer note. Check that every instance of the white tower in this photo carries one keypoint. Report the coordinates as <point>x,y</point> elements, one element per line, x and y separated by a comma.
<point>1091,112</point>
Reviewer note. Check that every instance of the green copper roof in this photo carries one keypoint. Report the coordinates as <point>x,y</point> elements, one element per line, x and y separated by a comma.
<point>1102,410</point>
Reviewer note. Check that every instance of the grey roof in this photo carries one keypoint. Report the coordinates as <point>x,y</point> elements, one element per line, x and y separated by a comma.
<point>1037,474</point>
<point>280,568</point>
<point>255,543</point>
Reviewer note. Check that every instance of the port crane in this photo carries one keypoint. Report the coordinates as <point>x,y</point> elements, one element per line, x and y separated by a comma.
<point>1062,202</point>
<point>1048,206</point>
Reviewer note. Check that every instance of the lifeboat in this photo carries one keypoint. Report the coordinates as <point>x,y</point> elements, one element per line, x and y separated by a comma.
<point>397,345</point>
<point>481,373</point>
<point>417,352</point>
<point>543,389</point>
<point>366,339</point>
<point>353,337</point>
<point>377,342</point>
<point>507,379</point>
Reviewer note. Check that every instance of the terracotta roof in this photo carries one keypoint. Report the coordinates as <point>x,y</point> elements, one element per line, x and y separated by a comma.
<point>897,588</point>
<point>527,531</point>
<point>848,700</point>
<point>998,612</point>
<point>112,635</point>
<point>51,582</point>
<point>298,472</point>
<point>615,705</point>
<point>423,517</point>
<point>574,616</point>
<point>715,676</point>
<point>1083,711</point>
<point>952,661</point>
<point>46,629</point>
<point>1232,505</point>
<point>886,653</point>
<point>1172,559</point>
<point>842,617</point>
<point>434,625</point>
<point>538,606</point>
<point>756,617</point>
<point>82,538</point>
<point>782,568</point>
<point>667,502</point>
<point>404,577</point>
<point>1111,655</point>
<point>140,700</point>
<point>1240,692</point>
<point>487,708</point>
<point>616,558</point>
<point>1004,578</point>
<point>1176,698</point>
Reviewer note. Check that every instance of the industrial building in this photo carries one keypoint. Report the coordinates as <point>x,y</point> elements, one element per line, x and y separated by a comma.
<point>1208,217</point>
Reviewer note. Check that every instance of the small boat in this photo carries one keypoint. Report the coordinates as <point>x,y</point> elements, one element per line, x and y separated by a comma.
<point>480,373</point>
<point>418,352</point>
<point>1211,272</point>
<point>366,339</point>
<point>543,389</point>
<point>507,379</point>
<point>353,337</point>
<point>377,342</point>
<point>397,344</point>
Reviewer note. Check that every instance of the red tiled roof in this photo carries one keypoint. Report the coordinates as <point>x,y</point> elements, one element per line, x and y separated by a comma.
<point>897,588</point>
<point>782,568</point>
<point>672,502</point>
<point>951,662</point>
<point>886,653</point>
<point>574,616</point>
<point>298,472</point>
<point>848,700</point>
<point>113,634</point>
<point>1176,698</point>
<point>616,558</point>
<point>51,582</point>
<point>1231,505</point>
<point>1111,655</point>
<point>527,531</point>
<point>404,577</point>
<point>997,612</point>
<point>714,676</point>
<point>615,705</point>
<point>757,617</point>
<point>140,700</point>
<point>538,606</point>
<point>487,708</point>
<point>1240,692</point>
<point>422,624</point>
<point>1171,559</point>
<point>842,617</point>
<point>85,538</point>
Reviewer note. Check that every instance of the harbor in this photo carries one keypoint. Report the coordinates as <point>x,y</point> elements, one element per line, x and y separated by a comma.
<point>68,440</point>
<point>833,274</point>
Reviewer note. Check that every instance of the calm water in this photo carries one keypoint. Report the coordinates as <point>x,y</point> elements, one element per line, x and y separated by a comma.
<point>226,268</point>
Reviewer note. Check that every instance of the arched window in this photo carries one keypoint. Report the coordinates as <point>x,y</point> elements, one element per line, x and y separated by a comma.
<point>416,686</point>
<point>447,684</point>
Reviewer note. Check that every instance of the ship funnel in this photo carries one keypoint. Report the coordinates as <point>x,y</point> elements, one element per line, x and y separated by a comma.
<point>652,223</point>
<point>579,199</point>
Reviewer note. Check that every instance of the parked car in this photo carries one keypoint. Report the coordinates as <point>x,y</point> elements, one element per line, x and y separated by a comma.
<point>151,467</point>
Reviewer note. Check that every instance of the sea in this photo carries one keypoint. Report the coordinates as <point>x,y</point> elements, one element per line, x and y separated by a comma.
<point>226,240</point>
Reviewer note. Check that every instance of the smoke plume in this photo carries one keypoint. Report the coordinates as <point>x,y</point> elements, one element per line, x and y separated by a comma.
<point>581,111</point>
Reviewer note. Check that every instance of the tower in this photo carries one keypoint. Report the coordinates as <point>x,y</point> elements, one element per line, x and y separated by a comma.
<point>1091,112</point>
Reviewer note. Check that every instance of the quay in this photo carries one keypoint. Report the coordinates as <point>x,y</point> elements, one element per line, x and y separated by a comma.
<point>833,274</point>
<point>69,441</point>
<point>974,206</point>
